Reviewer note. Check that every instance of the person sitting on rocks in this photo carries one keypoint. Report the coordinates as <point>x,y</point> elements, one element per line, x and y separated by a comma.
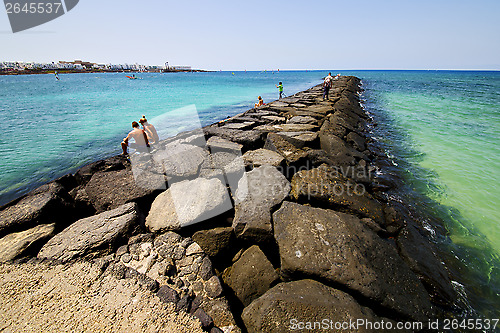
<point>150,130</point>
<point>259,103</point>
<point>141,139</point>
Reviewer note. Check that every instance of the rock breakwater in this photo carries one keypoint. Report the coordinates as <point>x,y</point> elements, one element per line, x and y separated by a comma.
<point>276,216</point>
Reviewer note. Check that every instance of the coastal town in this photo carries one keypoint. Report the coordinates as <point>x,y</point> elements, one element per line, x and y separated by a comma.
<point>79,66</point>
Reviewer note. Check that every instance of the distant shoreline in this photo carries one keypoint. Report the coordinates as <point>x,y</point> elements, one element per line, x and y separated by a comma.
<point>74,71</point>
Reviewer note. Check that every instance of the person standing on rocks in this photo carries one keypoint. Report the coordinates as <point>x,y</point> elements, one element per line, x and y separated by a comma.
<point>141,139</point>
<point>327,84</point>
<point>150,130</point>
<point>280,88</point>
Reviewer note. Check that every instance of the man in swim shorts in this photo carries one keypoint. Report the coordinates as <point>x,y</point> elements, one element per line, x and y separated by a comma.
<point>141,139</point>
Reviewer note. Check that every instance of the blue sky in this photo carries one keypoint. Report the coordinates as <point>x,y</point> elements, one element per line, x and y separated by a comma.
<point>238,35</point>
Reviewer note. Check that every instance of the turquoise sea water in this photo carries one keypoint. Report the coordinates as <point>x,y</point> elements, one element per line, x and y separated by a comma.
<point>442,128</point>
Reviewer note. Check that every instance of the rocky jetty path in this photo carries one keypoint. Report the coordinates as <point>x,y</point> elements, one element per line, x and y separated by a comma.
<point>277,217</point>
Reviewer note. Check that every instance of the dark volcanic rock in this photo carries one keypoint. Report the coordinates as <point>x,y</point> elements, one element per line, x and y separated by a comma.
<point>168,295</point>
<point>292,154</point>
<point>338,150</point>
<point>213,241</point>
<point>286,305</point>
<point>258,192</point>
<point>329,186</point>
<point>111,189</point>
<point>418,252</point>
<point>356,140</point>
<point>47,204</point>
<point>251,276</point>
<point>352,255</point>
<point>114,163</point>
<point>99,232</point>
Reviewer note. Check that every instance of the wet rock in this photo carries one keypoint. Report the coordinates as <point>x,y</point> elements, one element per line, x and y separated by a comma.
<point>256,158</point>
<point>419,254</point>
<point>17,244</point>
<point>262,189</point>
<point>251,276</point>
<point>97,232</point>
<point>48,204</point>
<point>307,301</point>
<point>351,255</point>
<point>213,241</point>
<point>329,186</point>
<point>188,202</point>
<point>356,140</point>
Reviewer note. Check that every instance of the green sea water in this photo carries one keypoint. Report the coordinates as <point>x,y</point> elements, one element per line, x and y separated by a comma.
<point>440,127</point>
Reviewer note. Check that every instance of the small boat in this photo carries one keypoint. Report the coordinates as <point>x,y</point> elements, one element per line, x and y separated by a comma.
<point>133,77</point>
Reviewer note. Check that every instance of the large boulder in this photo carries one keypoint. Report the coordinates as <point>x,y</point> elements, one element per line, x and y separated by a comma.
<point>256,158</point>
<point>111,189</point>
<point>180,160</point>
<point>338,150</point>
<point>291,153</point>
<point>258,192</point>
<point>96,233</point>
<point>301,139</point>
<point>17,244</point>
<point>217,144</point>
<point>47,204</point>
<point>251,275</point>
<point>328,186</point>
<point>352,255</point>
<point>249,139</point>
<point>188,202</point>
<point>115,163</point>
<point>298,305</point>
